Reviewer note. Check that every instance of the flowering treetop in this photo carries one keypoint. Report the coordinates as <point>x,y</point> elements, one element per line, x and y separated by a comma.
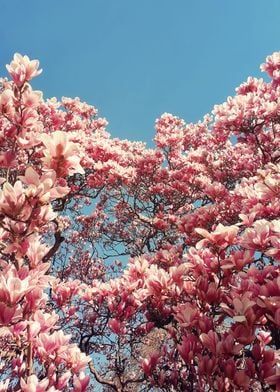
<point>195,307</point>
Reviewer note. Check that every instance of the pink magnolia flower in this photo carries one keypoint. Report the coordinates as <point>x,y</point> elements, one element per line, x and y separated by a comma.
<point>222,236</point>
<point>264,338</point>
<point>6,99</point>
<point>36,250</point>
<point>4,385</point>
<point>61,154</point>
<point>32,384</point>
<point>116,326</point>
<point>247,220</point>
<point>49,345</point>
<point>148,364</point>
<point>242,308</point>
<point>12,200</point>
<point>158,281</point>
<point>243,333</point>
<point>258,236</point>
<point>271,305</point>
<point>238,260</point>
<point>275,379</point>
<point>229,345</point>
<point>12,288</point>
<point>272,65</point>
<point>7,159</point>
<point>23,69</point>
<point>7,313</point>
<point>206,365</point>
<point>43,186</point>
<point>230,368</point>
<point>46,320</point>
<point>75,359</point>
<point>187,315</point>
<point>31,98</point>
<point>189,347</point>
<point>242,379</point>
<point>34,327</point>
<point>80,382</point>
<point>63,380</point>
<point>35,299</point>
<point>211,341</point>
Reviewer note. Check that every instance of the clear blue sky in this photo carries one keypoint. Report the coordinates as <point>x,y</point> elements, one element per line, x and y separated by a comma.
<point>135,60</point>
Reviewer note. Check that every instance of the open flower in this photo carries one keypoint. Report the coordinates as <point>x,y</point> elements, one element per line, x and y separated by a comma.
<point>222,236</point>
<point>12,288</point>
<point>81,382</point>
<point>32,384</point>
<point>61,154</point>
<point>43,186</point>
<point>23,69</point>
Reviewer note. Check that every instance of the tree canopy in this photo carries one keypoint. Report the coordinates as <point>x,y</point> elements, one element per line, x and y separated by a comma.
<point>129,268</point>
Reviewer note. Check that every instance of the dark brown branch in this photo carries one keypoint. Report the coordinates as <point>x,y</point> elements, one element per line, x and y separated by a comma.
<point>103,380</point>
<point>58,240</point>
<point>29,355</point>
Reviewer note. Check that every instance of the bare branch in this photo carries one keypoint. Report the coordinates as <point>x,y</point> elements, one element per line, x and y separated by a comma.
<point>102,380</point>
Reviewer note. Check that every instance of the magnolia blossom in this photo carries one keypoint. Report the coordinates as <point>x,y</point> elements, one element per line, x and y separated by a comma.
<point>81,382</point>
<point>61,154</point>
<point>32,384</point>
<point>44,187</point>
<point>23,69</point>
<point>221,236</point>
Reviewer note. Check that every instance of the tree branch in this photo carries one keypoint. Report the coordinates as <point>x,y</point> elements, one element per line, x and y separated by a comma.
<point>58,240</point>
<point>103,380</point>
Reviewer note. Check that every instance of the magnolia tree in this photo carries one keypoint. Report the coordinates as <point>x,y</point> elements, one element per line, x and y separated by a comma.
<point>124,268</point>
